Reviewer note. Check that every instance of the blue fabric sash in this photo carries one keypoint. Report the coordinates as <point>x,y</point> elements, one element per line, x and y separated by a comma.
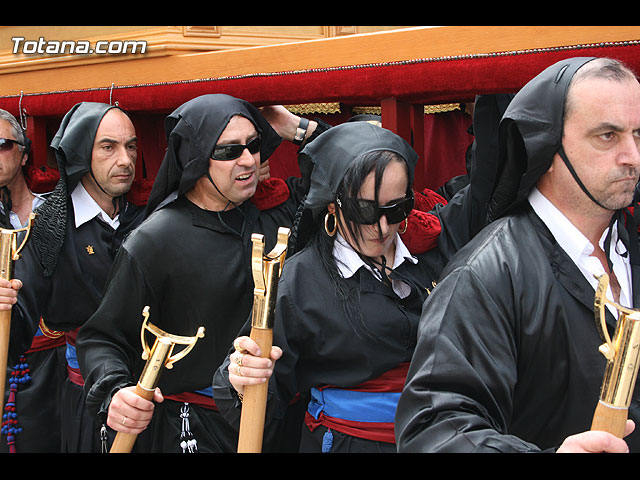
<point>355,406</point>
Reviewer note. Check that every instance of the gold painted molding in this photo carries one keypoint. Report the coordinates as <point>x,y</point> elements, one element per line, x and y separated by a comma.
<point>160,40</point>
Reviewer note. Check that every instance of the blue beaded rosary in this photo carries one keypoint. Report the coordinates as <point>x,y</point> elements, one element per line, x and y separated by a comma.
<point>10,428</point>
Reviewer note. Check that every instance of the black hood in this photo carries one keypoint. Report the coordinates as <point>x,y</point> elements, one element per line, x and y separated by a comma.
<point>192,131</point>
<point>530,134</point>
<point>336,149</point>
<point>73,143</point>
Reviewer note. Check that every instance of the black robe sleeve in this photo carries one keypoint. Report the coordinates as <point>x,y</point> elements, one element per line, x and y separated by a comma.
<point>507,353</point>
<point>463,372</point>
<point>113,360</point>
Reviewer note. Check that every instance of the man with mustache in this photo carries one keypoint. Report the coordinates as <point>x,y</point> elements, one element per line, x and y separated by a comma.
<point>78,230</point>
<point>507,358</point>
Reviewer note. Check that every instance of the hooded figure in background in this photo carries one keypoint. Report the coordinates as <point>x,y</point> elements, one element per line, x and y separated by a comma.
<point>508,353</point>
<point>190,263</point>
<point>74,240</point>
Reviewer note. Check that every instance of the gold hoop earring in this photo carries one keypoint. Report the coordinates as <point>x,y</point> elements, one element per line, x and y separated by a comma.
<point>406,225</point>
<point>331,232</point>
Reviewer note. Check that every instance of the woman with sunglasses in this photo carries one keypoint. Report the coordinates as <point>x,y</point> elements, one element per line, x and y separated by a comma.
<point>349,303</point>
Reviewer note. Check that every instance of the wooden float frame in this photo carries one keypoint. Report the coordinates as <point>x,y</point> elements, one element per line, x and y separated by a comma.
<point>400,71</point>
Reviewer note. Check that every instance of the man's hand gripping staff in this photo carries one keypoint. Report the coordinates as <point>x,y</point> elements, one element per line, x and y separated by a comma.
<point>158,357</point>
<point>9,253</point>
<point>266,273</point>
<point>622,354</point>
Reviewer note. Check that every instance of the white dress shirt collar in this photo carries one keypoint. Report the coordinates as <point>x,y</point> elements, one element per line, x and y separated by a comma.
<point>349,262</point>
<point>579,248</point>
<point>85,208</point>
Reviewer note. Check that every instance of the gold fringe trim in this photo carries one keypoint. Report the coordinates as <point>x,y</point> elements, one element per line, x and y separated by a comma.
<point>444,107</point>
<point>310,108</point>
<point>366,110</point>
<point>428,109</point>
<point>334,107</point>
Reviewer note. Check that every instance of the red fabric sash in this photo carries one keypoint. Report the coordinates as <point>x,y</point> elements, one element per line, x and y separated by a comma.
<point>75,376</point>
<point>391,381</point>
<point>47,340</point>
<point>74,373</point>
<point>194,399</point>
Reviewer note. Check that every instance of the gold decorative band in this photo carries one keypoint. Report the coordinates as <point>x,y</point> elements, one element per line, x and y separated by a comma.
<point>334,107</point>
<point>310,108</point>
<point>47,332</point>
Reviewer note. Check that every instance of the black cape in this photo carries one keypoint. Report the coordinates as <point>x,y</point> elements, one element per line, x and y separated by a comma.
<point>515,367</point>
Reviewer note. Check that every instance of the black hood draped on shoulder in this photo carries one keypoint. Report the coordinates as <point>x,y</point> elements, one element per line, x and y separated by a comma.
<point>530,134</point>
<point>336,149</point>
<point>192,131</point>
<point>73,145</point>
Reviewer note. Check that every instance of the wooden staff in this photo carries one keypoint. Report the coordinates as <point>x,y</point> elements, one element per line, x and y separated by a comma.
<point>266,273</point>
<point>157,357</point>
<point>9,253</point>
<point>622,354</point>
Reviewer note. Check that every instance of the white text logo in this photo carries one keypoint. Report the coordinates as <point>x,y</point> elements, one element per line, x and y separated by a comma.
<point>56,47</point>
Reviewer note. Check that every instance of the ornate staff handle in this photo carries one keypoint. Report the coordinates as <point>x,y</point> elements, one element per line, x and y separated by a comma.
<point>9,253</point>
<point>266,273</point>
<point>158,356</point>
<point>622,354</point>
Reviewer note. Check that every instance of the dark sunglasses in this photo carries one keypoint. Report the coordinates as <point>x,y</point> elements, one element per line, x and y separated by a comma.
<point>232,151</point>
<point>368,212</point>
<point>6,144</point>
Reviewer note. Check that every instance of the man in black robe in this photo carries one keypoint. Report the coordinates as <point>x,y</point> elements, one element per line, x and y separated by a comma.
<point>507,357</point>
<point>190,263</point>
<point>77,232</point>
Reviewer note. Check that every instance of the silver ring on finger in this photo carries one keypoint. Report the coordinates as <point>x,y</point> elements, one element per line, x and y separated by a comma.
<point>124,421</point>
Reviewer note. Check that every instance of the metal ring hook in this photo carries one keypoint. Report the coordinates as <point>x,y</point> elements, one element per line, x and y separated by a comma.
<point>111,95</point>
<point>22,112</point>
